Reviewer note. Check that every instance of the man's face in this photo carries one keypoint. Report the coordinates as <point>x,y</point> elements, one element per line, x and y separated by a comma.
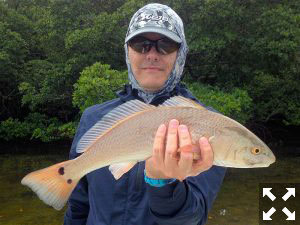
<point>151,69</point>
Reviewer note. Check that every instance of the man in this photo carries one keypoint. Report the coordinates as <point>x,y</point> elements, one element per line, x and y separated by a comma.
<point>164,189</point>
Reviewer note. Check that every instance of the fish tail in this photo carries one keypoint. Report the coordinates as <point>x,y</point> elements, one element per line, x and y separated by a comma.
<point>50,184</point>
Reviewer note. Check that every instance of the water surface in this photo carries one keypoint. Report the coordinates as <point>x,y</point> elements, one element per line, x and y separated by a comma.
<point>236,204</point>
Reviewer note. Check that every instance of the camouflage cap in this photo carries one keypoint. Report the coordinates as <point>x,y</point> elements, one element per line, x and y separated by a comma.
<point>153,19</point>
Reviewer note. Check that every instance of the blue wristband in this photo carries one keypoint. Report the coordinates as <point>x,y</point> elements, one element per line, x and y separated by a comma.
<point>157,182</point>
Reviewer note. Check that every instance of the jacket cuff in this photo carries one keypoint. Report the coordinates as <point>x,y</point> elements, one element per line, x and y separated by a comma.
<point>167,200</point>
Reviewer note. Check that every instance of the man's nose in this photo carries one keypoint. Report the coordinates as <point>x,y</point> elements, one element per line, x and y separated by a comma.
<point>153,54</point>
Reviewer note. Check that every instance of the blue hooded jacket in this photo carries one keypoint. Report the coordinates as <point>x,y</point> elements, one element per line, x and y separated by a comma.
<point>99,199</point>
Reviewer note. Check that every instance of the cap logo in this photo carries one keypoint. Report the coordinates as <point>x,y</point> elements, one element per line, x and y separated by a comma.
<point>153,17</point>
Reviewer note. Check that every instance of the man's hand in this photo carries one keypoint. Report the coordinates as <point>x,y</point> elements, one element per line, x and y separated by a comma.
<point>165,164</point>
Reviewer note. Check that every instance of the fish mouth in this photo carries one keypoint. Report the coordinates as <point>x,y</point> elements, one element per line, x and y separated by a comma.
<point>262,165</point>
<point>269,158</point>
<point>272,158</point>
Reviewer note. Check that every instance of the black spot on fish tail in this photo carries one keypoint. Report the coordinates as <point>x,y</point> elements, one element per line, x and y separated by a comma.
<point>69,181</point>
<point>61,170</point>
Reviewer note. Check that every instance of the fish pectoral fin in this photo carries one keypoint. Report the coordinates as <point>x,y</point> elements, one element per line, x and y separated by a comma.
<point>110,120</point>
<point>119,169</point>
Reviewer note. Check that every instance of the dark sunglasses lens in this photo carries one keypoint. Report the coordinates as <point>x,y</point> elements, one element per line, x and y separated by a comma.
<point>140,44</point>
<point>167,46</point>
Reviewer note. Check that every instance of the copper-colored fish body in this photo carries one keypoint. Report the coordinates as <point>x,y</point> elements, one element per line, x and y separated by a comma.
<point>130,140</point>
<point>125,136</point>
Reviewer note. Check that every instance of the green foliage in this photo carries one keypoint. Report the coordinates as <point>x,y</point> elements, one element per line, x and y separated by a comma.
<point>102,40</point>
<point>67,130</point>
<point>13,51</point>
<point>275,80</point>
<point>233,42</point>
<point>45,46</point>
<point>11,129</point>
<point>237,104</point>
<point>46,87</point>
<point>97,83</point>
<point>276,96</point>
<point>36,127</point>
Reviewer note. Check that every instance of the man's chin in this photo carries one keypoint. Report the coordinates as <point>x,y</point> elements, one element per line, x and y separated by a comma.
<point>152,88</point>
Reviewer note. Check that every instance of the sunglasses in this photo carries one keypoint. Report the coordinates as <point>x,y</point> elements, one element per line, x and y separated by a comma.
<point>163,46</point>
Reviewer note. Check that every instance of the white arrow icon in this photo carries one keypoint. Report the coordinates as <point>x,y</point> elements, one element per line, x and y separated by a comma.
<point>267,215</point>
<point>290,192</point>
<point>291,216</point>
<point>267,192</point>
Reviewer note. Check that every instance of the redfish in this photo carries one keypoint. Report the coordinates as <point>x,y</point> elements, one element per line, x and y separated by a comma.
<point>125,136</point>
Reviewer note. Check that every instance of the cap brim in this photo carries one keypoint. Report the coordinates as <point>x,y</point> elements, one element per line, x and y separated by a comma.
<point>158,30</point>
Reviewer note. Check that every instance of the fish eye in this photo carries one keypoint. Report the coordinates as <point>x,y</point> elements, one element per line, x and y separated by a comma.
<point>255,151</point>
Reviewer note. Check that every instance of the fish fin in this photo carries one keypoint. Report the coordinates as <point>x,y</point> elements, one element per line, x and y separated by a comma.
<point>227,164</point>
<point>109,120</point>
<point>119,169</point>
<point>50,185</point>
<point>181,101</point>
<point>220,163</point>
